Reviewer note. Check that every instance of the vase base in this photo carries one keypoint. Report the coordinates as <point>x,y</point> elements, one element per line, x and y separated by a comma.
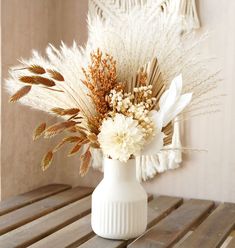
<point>119,237</point>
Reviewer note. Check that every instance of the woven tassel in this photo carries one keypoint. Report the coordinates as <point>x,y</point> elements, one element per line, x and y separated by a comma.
<point>189,15</point>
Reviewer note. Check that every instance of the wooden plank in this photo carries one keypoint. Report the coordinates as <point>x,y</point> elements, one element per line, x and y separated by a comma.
<point>231,244</point>
<point>46,225</point>
<point>77,233</point>
<point>169,230</point>
<point>31,212</point>
<point>158,208</point>
<point>70,236</point>
<point>22,200</point>
<point>214,230</point>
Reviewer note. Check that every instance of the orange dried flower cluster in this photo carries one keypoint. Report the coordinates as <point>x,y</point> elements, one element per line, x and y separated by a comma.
<point>100,79</point>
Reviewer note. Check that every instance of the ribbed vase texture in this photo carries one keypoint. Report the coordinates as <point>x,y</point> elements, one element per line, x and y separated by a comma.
<point>119,202</point>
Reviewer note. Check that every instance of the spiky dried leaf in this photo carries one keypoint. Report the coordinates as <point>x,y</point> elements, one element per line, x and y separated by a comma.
<point>46,161</point>
<point>39,130</point>
<point>58,128</point>
<point>85,162</point>
<point>77,147</point>
<point>70,139</point>
<point>56,75</point>
<point>61,111</point>
<point>20,93</point>
<point>36,69</point>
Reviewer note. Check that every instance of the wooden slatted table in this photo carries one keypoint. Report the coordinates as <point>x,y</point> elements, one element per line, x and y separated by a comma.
<point>57,216</point>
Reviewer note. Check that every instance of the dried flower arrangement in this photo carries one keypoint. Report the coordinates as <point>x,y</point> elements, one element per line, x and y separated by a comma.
<point>123,99</point>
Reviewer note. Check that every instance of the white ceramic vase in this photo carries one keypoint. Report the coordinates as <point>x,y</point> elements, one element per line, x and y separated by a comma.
<point>119,202</point>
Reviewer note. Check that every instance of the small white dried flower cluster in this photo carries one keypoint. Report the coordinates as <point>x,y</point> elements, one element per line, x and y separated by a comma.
<point>136,105</point>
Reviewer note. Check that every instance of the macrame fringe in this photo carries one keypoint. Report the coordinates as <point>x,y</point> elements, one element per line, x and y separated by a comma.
<point>185,10</point>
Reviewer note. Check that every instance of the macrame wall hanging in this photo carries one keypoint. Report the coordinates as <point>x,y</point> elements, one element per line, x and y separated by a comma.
<point>182,11</point>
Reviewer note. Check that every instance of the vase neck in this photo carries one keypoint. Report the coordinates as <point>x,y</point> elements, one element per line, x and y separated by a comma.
<point>114,170</point>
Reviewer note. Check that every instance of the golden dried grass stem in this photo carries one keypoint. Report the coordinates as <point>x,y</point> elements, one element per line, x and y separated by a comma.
<point>20,93</point>
<point>58,128</point>
<point>36,69</point>
<point>55,75</point>
<point>39,131</point>
<point>85,162</point>
<point>46,161</point>
<point>70,139</point>
<point>34,80</point>
<point>62,112</point>
<point>77,147</point>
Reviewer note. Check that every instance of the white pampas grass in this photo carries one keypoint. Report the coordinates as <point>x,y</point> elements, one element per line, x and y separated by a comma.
<point>69,62</point>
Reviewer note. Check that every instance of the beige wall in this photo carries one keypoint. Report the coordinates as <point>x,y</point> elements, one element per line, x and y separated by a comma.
<point>210,175</point>
<point>28,24</point>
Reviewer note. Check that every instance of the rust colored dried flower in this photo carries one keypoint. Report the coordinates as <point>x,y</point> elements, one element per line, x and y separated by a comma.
<point>100,79</point>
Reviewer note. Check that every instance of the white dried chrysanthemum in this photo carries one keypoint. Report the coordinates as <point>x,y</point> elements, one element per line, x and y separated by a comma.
<point>120,137</point>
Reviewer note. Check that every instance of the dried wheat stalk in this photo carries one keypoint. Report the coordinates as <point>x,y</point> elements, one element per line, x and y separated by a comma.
<point>61,111</point>
<point>46,161</point>
<point>55,75</point>
<point>20,93</point>
<point>77,147</point>
<point>58,128</point>
<point>85,162</point>
<point>37,80</point>
<point>39,130</point>
<point>70,139</point>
